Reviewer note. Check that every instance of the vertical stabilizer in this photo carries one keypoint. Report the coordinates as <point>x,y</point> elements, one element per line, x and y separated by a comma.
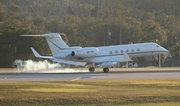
<point>55,42</point>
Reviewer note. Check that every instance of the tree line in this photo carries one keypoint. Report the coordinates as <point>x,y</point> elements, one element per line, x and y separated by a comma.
<point>86,23</point>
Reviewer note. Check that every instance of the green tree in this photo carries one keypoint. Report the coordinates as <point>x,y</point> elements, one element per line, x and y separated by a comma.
<point>12,45</point>
<point>70,26</point>
<point>153,32</point>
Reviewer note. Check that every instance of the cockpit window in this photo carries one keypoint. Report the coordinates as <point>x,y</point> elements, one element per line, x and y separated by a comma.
<point>157,45</point>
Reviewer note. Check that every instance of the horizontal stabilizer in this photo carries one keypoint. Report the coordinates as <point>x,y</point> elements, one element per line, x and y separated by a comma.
<point>30,35</point>
<point>45,35</point>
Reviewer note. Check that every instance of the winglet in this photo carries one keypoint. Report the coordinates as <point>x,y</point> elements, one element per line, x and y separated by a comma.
<point>36,54</point>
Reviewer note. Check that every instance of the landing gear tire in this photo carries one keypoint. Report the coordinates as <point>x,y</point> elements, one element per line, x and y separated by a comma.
<point>157,62</point>
<point>106,70</point>
<point>91,69</point>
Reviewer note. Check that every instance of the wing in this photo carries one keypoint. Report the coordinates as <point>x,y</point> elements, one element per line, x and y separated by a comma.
<point>107,64</point>
<point>58,60</point>
<point>36,54</point>
<point>69,62</point>
<point>113,61</point>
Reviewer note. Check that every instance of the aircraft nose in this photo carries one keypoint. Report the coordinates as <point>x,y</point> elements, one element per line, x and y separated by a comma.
<point>163,49</point>
<point>166,52</point>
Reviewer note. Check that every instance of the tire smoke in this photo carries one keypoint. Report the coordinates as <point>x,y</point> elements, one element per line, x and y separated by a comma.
<point>31,66</point>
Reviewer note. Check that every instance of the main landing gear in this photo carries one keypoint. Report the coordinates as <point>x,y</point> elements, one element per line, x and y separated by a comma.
<point>105,70</point>
<point>92,68</point>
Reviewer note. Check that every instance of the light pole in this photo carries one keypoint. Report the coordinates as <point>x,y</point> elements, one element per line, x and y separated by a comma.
<point>159,59</point>
<point>109,35</point>
<point>178,48</point>
<point>159,56</point>
<point>179,55</point>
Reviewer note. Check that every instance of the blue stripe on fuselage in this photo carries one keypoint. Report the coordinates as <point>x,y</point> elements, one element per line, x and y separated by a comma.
<point>127,53</point>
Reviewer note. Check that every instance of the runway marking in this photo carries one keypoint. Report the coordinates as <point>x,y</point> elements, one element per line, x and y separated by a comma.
<point>75,79</point>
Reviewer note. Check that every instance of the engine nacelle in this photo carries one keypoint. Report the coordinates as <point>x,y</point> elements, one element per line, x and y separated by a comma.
<point>85,52</point>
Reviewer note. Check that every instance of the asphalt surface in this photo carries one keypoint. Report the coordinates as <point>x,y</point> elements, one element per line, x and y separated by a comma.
<point>114,74</point>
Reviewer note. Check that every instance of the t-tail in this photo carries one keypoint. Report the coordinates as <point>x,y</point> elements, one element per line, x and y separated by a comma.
<point>55,42</point>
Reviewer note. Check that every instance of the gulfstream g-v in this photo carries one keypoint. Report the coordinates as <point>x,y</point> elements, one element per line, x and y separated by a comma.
<point>105,56</point>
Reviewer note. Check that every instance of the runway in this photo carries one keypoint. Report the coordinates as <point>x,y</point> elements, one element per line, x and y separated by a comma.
<point>125,74</point>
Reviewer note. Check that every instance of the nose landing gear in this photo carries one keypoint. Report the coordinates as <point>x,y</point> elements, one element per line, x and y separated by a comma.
<point>105,70</point>
<point>91,69</point>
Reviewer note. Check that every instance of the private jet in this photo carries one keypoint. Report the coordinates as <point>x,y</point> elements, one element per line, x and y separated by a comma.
<point>104,56</point>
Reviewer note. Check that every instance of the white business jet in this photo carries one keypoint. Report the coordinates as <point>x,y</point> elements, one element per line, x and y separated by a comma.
<point>105,56</point>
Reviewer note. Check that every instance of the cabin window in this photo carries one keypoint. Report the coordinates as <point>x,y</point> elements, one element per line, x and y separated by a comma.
<point>121,51</point>
<point>116,51</point>
<point>127,50</point>
<point>138,50</point>
<point>132,50</point>
<point>110,52</point>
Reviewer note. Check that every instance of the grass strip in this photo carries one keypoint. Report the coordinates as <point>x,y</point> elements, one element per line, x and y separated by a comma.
<point>101,92</point>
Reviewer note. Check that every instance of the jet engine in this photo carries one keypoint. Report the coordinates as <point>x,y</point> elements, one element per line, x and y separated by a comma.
<point>85,52</point>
